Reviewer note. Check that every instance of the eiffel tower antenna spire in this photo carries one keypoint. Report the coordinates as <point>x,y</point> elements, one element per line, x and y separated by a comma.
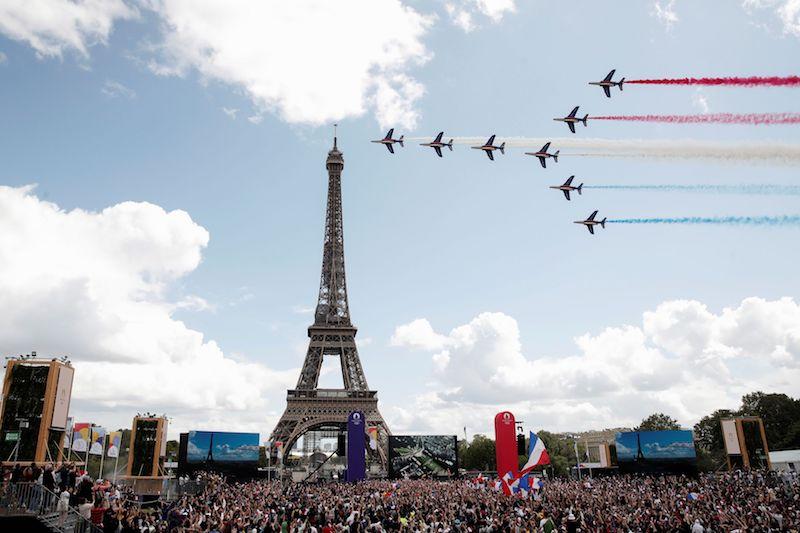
<point>331,335</point>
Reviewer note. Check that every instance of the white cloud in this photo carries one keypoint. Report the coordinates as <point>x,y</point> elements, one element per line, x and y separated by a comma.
<point>92,285</point>
<point>683,360</point>
<point>230,112</point>
<point>664,11</point>
<point>308,61</point>
<point>302,309</point>
<point>418,334</point>
<point>460,17</point>
<point>114,89</point>
<point>52,27</point>
<point>788,11</point>
<point>3,58</point>
<point>463,13</point>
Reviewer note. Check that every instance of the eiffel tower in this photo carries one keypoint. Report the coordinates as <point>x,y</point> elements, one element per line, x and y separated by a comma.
<point>309,407</point>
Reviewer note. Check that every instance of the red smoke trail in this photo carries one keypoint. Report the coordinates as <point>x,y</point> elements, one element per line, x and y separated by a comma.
<point>715,118</point>
<point>750,81</point>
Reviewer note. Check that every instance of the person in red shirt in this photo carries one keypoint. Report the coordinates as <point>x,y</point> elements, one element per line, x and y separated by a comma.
<point>98,510</point>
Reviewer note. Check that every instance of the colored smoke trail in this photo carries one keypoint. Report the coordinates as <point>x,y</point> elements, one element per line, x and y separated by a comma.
<point>756,119</point>
<point>749,81</point>
<point>785,190</point>
<point>786,220</point>
<point>773,152</point>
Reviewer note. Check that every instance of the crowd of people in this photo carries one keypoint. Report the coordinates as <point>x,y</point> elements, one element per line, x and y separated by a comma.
<point>722,502</point>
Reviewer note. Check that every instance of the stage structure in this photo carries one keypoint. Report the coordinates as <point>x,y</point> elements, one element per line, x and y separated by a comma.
<point>310,409</point>
<point>148,447</point>
<point>745,443</point>
<point>36,398</point>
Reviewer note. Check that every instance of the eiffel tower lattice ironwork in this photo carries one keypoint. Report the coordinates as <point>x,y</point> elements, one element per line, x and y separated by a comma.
<point>309,407</point>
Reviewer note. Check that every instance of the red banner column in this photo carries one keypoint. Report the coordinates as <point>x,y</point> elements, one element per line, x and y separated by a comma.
<point>506,443</point>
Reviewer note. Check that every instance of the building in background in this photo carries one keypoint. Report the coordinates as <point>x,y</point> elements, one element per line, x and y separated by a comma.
<point>785,460</point>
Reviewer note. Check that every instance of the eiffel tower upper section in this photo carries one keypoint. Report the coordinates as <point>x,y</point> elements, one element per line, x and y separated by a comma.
<point>332,307</point>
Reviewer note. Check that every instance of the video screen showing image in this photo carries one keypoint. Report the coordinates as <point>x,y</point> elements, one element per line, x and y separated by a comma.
<point>215,447</point>
<point>416,456</point>
<point>656,451</point>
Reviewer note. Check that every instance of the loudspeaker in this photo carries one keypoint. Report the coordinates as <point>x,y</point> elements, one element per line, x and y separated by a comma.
<point>340,446</point>
<point>521,445</point>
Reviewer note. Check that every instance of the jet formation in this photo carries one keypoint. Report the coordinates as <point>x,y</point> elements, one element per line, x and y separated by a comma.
<point>489,147</point>
<point>388,142</point>
<point>567,187</point>
<point>543,154</point>
<point>590,222</point>
<point>437,144</point>
<point>571,119</point>
<point>607,84</point>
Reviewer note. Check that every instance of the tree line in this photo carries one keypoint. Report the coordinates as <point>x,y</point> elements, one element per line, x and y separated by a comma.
<point>780,414</point>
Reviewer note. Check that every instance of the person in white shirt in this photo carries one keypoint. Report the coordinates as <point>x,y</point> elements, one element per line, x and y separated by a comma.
<point>63,506</point>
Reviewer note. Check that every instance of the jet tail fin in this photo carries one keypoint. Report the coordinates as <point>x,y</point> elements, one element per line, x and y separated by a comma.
<point>503,148</point>
<point>585,118</point>
<point>400,140</point>
<point>555,155</point>
<point>450,145</point>
<point>620,83</point>
<point>580,188</point>
<point>603,223</point>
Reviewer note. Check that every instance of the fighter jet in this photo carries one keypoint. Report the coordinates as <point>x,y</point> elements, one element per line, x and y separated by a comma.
<point>571,119</point>
<point>543,155</point>
<point>590,222</point>
<point>489,148</point>
<point>607,84</point>
<point>388,141</point>
<point>567,187</point>
<point>437,144</point>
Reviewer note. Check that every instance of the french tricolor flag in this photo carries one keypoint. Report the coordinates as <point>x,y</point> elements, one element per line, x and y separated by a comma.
<point>509,483</point>
<point>537,454</point>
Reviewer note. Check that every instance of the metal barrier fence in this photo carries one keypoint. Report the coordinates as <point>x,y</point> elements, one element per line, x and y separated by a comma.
<point>33,499</point>
<point>166,489</point>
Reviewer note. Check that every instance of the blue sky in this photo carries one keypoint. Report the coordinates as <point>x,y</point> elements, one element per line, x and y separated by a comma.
<point>472,289</point>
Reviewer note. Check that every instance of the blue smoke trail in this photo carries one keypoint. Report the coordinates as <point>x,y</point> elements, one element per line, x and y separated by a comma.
<point>786,190</point>
<point>786,220</point>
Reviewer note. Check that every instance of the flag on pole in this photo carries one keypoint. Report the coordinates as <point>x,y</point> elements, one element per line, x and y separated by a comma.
<point>67,434</point>
<point>279,447</point>
<point>98,441</point>
<point>80,437</point>
<point>114,441</point>
<point>537,454</point>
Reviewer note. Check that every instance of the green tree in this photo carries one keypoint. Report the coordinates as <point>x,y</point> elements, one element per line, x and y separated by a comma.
<point>658,422</point>
<point>172,450</point>
<point>780,414</point>
<point>561,449</point>
<point>478,454</point>
<point>708,431</point>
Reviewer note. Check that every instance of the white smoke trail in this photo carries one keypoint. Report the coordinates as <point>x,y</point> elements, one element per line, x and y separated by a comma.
<point>764,151</point>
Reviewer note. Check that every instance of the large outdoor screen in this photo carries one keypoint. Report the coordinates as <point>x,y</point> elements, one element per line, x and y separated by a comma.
<point>216,447</point>
<point>416,456</point>
<point>656,451</point>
